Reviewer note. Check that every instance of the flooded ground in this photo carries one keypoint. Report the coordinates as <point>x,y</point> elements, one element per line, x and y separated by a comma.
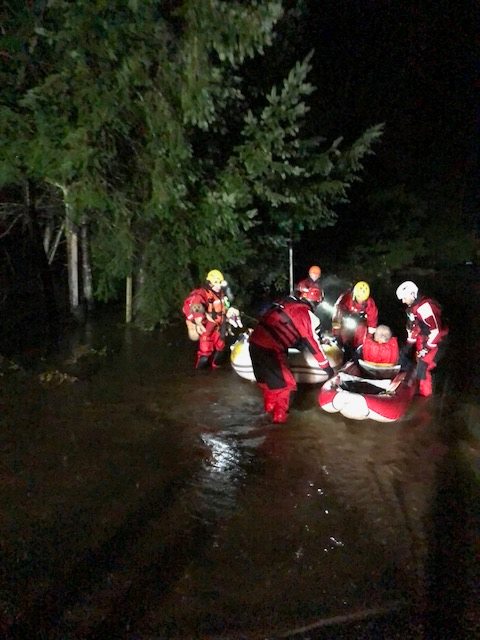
<point>146,500</point>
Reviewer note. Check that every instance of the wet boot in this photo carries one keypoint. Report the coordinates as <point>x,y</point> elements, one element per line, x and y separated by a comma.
<point>279,416</point>
<point>202,362</point>
<point>282,403</point>
<point>268,398</point>
<point>425,386</point>
<point>216,359</point>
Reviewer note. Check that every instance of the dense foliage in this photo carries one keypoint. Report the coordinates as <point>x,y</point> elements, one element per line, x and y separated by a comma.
<point>137,117</point>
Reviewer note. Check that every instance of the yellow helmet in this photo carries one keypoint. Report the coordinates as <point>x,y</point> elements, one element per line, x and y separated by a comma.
<point>361,291</point>
<point>215,277</point>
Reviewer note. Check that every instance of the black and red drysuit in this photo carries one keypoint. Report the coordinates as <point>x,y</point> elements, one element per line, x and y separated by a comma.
<point>426,331</point>
<point>289,323</point>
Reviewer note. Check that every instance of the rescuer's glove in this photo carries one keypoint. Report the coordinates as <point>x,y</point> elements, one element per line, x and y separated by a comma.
<point>336,326</point>
<point>422,353</point>
<point>329,371</point>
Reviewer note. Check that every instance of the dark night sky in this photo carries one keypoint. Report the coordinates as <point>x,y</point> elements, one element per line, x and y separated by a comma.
<point>411,65</point>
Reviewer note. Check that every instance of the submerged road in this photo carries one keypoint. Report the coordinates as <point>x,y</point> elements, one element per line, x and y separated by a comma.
<point>146,500</point>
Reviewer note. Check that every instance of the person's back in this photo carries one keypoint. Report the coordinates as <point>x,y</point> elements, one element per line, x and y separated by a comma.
<point>276,325</point>
<point>289,323</point>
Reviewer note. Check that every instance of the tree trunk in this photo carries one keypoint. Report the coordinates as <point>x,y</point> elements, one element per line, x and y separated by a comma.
<point>139,290</point>
<point>86,267</point>
<point>128,300</point>
<point>72,253</point>
<point>41,262</point>
<point>47,236</point>
<point>290,263</point>
<point>54,247</point>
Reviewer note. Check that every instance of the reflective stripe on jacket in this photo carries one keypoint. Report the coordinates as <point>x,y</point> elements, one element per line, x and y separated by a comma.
<point>425,326</point>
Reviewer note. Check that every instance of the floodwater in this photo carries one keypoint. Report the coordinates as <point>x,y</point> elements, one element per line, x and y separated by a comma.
<point>146,500</point>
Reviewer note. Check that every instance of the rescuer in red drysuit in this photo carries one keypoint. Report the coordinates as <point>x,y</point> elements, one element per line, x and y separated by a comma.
<point>425,331</point>
<point>207,311</point>
<point>306,284</point>
<point>289,323</point>
<point>381,347</point>
<point>355,314</point>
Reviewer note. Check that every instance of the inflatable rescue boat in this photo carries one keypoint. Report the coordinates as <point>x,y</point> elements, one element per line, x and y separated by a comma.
<point>368,391</point>
<point>302,364</point>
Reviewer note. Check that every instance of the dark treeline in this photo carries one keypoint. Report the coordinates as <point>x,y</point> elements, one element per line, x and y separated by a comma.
<point>150,143</point>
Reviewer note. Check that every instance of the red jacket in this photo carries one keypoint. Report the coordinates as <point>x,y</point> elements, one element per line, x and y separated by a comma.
<point>307,283</point>
<point>213,305</point>
<point>347,306</point>
<point>380,352</point>
<point>289,323</point>
<point>424,326</point>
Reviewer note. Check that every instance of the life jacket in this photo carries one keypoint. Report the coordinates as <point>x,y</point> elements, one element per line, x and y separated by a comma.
<point>380,352</point>
<point>289,323</point>
<point>215,305</point>
<point>279,325</point>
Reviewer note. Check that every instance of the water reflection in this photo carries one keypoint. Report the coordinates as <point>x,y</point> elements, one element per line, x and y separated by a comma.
<point>155,501</point>
<point>220,477</point>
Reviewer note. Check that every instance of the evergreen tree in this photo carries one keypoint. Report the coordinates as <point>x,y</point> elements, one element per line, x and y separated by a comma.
<point>130,115</point>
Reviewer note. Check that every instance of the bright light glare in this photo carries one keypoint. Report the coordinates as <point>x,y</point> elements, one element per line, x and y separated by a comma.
<point>327,306</point>
<point>350,323</point>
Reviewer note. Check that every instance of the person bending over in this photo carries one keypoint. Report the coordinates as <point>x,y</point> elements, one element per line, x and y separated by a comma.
<point>288,323</point>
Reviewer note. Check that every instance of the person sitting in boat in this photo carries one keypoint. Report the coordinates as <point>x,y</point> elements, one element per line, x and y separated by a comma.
<point>288,323</point>
<point>381,347</point>
<point>355,315</point>
<point>208,312</point>
<point>312,281</point>
<point>425,331</point>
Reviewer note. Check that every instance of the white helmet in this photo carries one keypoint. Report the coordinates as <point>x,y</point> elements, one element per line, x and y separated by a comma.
<point>407,288</point>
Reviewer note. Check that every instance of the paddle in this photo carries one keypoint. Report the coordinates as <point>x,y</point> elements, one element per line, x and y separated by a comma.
<point>411,373</point>
<point>395,383</point>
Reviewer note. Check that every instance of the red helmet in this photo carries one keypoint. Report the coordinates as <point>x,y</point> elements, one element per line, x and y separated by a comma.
<point>313,294</point>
